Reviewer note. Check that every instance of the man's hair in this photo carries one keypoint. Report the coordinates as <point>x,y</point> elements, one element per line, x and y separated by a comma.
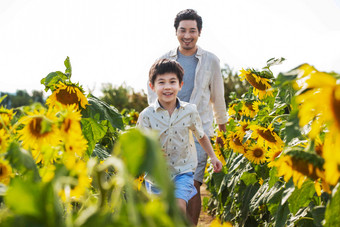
<point>188,14</point>
<point>163,66</point>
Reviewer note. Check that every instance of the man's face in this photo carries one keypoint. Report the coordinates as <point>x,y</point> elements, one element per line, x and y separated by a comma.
<point>187,34</point>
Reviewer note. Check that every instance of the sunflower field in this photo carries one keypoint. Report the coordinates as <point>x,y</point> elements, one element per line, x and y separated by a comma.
<point>77,161</point>
<point>281,151</point>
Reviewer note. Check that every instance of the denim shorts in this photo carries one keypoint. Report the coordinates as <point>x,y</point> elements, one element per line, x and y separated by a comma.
<point>184,187</point>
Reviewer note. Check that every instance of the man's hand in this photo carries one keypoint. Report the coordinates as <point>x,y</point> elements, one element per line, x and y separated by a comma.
<point>217,164</point>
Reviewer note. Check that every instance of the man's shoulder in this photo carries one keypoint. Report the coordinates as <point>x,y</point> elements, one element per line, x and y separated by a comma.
<point>170,54</point>
<point>188,106</point>
<point>209,55</point>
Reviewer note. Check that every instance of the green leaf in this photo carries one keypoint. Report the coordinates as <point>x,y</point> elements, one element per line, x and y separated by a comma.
<point>22,160</point>
<point>273,178</point>
<point>249,178</point>
<point>318,215</point>
<point>301,197</point>
<point>133,148</point>
<point>68,70</point>
<point>104,111</point>
<point>22,198</point>
<point>52,79</point>
<point>2,98</point>
<point>281,215</point>
<point>275,61</point>
<point>332,216</point>
<point>93,132</point>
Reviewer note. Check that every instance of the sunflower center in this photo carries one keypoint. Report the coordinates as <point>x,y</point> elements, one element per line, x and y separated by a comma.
<point>67,125</point>
<point>250,106</point>
<point>258,152</point>
<point>67,98</point>
<point>336,104</point>
<point>318,149</point>
<point>35,127</point>
<point>277,154</point>
<point>302,166</point>
<point>237,141</point>
<point>1,170</point>
<point>267,135</point>
<point>258,85</point>
<point>244,127</point>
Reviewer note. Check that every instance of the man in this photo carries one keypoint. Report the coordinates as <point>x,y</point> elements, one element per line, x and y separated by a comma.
<point>203,86</point>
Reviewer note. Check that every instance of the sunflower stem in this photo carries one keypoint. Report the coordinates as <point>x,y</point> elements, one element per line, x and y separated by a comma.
<point>279,116</point>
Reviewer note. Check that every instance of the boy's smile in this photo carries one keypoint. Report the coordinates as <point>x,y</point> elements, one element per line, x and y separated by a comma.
<point>167,86</point>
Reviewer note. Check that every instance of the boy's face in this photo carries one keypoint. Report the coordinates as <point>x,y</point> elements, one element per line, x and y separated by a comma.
<point>166,86</point>
<point>187,34</point>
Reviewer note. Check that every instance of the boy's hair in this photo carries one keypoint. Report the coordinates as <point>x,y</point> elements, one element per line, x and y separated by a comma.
<point>163,66</point>
<point>188,14</point>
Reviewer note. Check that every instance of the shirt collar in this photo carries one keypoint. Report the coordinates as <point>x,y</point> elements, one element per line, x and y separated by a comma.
<point>158,105</point>
<point>199,52</point>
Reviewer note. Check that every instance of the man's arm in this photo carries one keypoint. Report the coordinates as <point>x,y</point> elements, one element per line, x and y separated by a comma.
<point>206,145</point>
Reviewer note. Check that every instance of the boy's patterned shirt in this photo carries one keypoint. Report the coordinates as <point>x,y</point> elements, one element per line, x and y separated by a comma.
<point>174,134</point>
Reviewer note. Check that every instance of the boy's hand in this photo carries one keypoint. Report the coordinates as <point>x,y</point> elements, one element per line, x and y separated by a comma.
<point>217,164</point>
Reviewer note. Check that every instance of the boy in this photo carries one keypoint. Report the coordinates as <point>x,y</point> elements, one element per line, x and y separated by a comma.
<point>174,120</point>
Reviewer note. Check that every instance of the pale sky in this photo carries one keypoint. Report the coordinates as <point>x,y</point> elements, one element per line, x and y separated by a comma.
<point>117,41</point>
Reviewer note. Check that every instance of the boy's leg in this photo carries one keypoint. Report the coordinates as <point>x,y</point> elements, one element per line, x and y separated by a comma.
<point>194,204</point>
<point>182,204</point>
<point>184,190</point>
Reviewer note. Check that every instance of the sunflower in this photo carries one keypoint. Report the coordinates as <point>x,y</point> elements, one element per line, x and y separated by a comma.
<point>243,128</point>
<point>138,182</point>
<point>67,95</point>
<point>5,171</point>
<point>75,188</point>
<point>331,155</point>
<point>235,143</point>
<point>5,117</point>
<point>40,127</point>
<point>3,140</point>
<point>320,104</point>
<point>219,153</point>
<point>261,86</point>
<point>76,145</point>
<point>231,110</point>
<point>70,120</point>
<point>272,155</point>
<point>256,154</point>
<point>248,110</point>
<point>47,173</point>
<point>299,169</point>
<point>217,223</point>
<point>266,136</point>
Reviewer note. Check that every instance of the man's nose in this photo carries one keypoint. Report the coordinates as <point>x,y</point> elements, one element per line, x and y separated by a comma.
<point>187,35</point>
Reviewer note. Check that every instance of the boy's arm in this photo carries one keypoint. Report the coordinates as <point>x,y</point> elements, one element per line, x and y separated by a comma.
<point>206,145</point>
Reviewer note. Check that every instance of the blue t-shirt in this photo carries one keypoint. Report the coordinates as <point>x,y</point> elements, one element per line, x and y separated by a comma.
<point>189,64</point>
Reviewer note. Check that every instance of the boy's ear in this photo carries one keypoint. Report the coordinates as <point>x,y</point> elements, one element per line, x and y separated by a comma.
<point>181,85</point>
<point>151,86</point>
